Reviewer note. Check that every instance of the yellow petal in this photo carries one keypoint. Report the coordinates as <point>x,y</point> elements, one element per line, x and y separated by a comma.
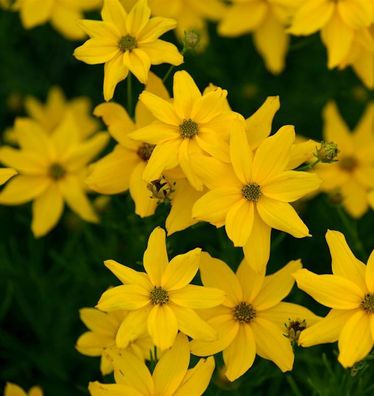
<point>35,391</point>
<point>155,257</point>
<point>160,51</point>
<point>197,379</point>
<point>276,286</point>
<point>311,17</point>
<point>46,211</point>
<point>138,18</point>
<point>327,329</point>
<point>66,136</point>
<point>128,297</point>
<point>272,42</point>
<point>99,29</point>
<point>355,340</point>
<point>98,322</point>
<point>344,263</point>
<point>96,51</point>
<point>185,93</point>
<point>114,72</point>
<point>22,189</point>
<point>154,133</point>
<point>197,297</point>
<point>127,275</point>
<point>191,324</point>
<point>369,275</point>
<point>115,14</point>
<point>258,125</point>
<point>355,199</point>
<point>133,326</point>
<point>363,131</point>
<point>240,354</point>
<point>239,222</point>
<point>330,290</point>
<point>281,216</point>
<point>160,108</point>
<point>181,270</point>
<point>155,28</point>
<point>273,154</point>
<point>257,248</point>
<point>250,281</point>
<point>209,106</point>
<point>233,24</point>
<point>13,390</point>
<point>215,273</point>
<point>172,367</point>
<point>65,20</point>
<point>74,194</point>
<point>211,142</point>
<point>97,389</point>
<point>162,326</point>
<point>357,14</point>
<point>6,174</point>
<point>138,62</point>
<point>91,344</point>
<point>23,161</point>
<point>36,12</point>
<point>302,152</point>
<point>290,186</point>
<point>272,344</point>
<point>240,153</point>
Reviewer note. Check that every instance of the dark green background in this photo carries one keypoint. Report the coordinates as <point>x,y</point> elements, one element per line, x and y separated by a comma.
<point>44,282</point>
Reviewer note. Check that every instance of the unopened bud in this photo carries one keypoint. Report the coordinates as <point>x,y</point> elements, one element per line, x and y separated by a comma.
<point>293,329</point>
<point>191,39</point>
<point>161,189</point>
<point>327,152</point>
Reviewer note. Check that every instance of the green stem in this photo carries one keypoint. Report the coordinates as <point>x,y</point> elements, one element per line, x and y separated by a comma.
<point>129,94</point>
<point>172,67</point>
<point>309,166</point>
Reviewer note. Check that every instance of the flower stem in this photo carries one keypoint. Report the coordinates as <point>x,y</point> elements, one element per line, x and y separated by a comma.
<point>309,166</point>
<point>172,67</point>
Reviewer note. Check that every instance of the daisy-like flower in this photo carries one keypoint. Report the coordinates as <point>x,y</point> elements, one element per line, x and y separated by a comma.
<point>50,114</point>
<point>62,14</point>
<point>127,42</point>
<point>254,197</point>
<point>350,294</point>
<point>338,18</point>
<point>248,320</point>
<point>15,390</point>
<point>267,19</point>
<point>161,301</point>
<point>51,170</point>
<point>101,339</point>
<point>192,123</point>
<point>171,375</point>
<point>353,173</point>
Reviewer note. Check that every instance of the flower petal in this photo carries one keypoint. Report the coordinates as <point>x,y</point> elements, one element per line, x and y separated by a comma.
<point>369,275</point>
<point>138,17</point>
<point>25,162</point>
<point>133,326</point>
<point>331,290</point>
<point>154,133</point>
<point>96,51</point>
<point>138,62</point>
<point>239,222</point>
<point>185,93</point>
<point>114,72</point>
<point>250,281</point>
<point>160,108</point>
<point>128,297</point>
<point>197,297</point>
<point>155,28</point>
<point>127,275</point>
<point>6,174</point>
<point>162,326</point>
<point>115,15</point>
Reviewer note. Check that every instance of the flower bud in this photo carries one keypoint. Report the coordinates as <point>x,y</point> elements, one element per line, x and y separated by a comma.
<point>327,152</point>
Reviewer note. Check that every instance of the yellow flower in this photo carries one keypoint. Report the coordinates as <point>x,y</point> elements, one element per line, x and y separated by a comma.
<point>350,294</point>
<point>101,339</point>
<point>15,390</point>
<point>353,173</point>
<point>192,123</point>
<point>248,321</point>
<point>339,18</point>
<point>127,42</point>
<point>267,20</point>
<point>51,169</point>
<point>63,15</point>
<point>161,301</point>
<point>50,114</point>
<point>254,197</point>
<point>171,375</point>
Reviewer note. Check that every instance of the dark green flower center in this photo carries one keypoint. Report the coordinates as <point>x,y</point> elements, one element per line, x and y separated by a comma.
<point>127,43</point>
<point>159,296</point>
<point>56,171</point>
<point>244,313</point>
<point>252,192</point>
<point>367,304</point>
<point>188,129</point>
<point>145,151</point>
<point>348,164</point>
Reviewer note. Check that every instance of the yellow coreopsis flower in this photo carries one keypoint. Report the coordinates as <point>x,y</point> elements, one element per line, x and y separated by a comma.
<point>353,173</point>
<point>350,294</point>
<point>161,301</point>
<point>50,114</point>
<point>51,170</point>
<point>127,42</point>
<point>171,375</point>
<point>192,123</point>
<point>15,390</point>
<point>267,19</point>
<point>62,14</point>
<point>248,321</point>
<point>254,197</point>
<point>338,22</point>
<point>101,339</point>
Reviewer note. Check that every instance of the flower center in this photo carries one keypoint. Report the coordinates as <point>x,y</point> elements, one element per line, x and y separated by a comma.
<point>348,164</point>
<point>367,304</point>
<point>145,151</point>
<point>159,296</point>
<point>56,171</point>
<point>127,43</point>
<point>188,129</point>
<point>252,192</point>
<point>244,313</point>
